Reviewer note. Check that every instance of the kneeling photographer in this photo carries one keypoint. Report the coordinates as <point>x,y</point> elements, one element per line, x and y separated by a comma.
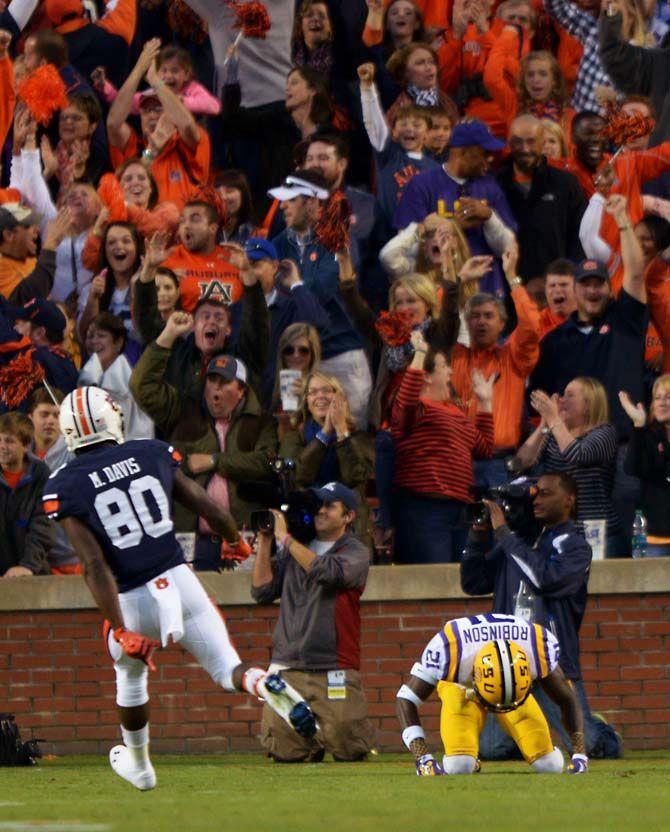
<point>545,582</point>
<point>317,637</point>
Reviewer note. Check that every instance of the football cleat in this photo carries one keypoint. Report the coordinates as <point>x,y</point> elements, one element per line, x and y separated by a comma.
<point>427,766</point>
<point>143,778</point>
<point>579,764</point>
<point>288,704</point>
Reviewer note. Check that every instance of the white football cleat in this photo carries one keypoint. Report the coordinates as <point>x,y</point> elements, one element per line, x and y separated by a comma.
<point>288,704</point>
<point>142,778</point>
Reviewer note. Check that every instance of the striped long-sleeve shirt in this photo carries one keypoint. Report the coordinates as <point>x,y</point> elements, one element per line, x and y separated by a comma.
<point>435,443</point>
<point>591,460</point>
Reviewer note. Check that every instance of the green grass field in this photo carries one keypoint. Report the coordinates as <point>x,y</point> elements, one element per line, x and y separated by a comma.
<point>246,793</point>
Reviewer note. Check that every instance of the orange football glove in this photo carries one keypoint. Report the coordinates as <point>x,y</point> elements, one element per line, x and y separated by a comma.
<point>235,553</point>
<point>137,646</point>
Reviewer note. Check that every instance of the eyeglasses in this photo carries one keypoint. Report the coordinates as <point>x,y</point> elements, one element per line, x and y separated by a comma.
<point>291,350</point>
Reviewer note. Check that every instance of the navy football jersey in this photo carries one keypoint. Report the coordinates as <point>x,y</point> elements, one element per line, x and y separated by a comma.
<point>123,494</point>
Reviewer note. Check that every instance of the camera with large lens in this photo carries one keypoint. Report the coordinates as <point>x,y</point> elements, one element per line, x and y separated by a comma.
<point>299,506</point>
<point>515,499</point>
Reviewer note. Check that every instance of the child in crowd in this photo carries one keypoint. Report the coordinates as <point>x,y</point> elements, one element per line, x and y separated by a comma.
<point>534,84</point>
<point>398,152</point>
<point>26,533</point>
<point>438,135</point>
<point>175,70</point>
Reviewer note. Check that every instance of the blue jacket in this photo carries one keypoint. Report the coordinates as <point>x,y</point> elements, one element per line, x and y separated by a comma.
<point>320,274</point>
<point>555,570</point>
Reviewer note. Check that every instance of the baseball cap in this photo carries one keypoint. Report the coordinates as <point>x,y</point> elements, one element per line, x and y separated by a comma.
<point>591,268</point>
<point>148,95</point>
<point>43,313</point>
<point>257,248</point>
<point>474,134</point>
<point>332,491</point>
<point>58,10</point>
<point>294,186</point>
<point>228,368</point>
<point>13,214</point>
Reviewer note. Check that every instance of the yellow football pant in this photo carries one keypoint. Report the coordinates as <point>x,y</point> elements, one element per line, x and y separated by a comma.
<point>462,721</point>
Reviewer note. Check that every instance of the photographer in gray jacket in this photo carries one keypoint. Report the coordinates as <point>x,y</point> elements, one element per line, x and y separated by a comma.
<point>317,637</point>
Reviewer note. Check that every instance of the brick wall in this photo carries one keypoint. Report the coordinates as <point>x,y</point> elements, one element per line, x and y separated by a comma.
<point>56,676</point>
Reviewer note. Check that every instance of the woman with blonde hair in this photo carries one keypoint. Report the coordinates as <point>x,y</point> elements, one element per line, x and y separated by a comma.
<point>648,458</point>
<point>298,348</point>
<point>575,436</point>
<point>437,248</point>
<point>555,145</point>
<point>326,445</point>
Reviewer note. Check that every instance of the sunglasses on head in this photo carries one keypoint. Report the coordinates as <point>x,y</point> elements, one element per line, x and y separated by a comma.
<point>291,350</point>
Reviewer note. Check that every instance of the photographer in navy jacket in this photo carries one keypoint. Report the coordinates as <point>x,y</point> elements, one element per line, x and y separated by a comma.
<point>545,582</point>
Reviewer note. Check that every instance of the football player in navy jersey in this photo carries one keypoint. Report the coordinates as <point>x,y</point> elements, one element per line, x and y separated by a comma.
<point>114,501</point>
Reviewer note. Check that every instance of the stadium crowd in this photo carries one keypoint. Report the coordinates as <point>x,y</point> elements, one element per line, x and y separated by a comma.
<point>418,247</point>
<point>434,237</point>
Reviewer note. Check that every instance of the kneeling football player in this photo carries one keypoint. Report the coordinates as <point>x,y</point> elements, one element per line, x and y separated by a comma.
<point>114,500</point>
<point>487,663</point>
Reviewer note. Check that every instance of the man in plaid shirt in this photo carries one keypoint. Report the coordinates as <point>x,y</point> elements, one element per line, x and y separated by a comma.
<point>581,21</point>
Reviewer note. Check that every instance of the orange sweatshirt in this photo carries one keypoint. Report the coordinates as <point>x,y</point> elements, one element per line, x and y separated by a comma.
<point>512,364</point>
<point>7,97</point>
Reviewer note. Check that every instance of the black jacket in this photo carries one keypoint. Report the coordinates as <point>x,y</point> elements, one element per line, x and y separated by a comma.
<point>26,533</point>
<point>555,570</point>
<point>612,352</point>
<point>648,458</point>
<point>548,216</point>
<point>637,70</point>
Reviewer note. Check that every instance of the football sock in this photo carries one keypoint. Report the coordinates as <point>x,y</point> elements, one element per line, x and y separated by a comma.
<point>137,742</point>
<point>251,678</point>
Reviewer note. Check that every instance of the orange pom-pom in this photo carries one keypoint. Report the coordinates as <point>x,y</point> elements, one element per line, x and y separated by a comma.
<point>393,329</point>
<point>252,18</point>
<point>164,217</point>
<point>19,378</point>
<point>43,92</point>
<point>113,198</point>
<point>332,227</point>
<point>622,128</point>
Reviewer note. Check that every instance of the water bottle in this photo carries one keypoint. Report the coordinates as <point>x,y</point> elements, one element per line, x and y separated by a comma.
<point>639,535</point>
<point>524,606</point>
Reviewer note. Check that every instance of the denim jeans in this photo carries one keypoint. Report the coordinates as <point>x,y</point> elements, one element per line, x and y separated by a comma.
<point>384,464</point>
<point>625,497</point>
<point>600,738</point>
<point>658,550</point>
<point>428,530</point>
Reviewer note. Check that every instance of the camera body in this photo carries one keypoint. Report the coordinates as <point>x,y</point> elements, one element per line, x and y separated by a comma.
<point>515,499</point>
<point>299,506</point>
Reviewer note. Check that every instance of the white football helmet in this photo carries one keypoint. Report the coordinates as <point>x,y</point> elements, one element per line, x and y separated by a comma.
<point>89,415</point>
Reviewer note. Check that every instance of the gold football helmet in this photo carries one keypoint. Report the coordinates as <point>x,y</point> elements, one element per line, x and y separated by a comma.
<point>501,676</point>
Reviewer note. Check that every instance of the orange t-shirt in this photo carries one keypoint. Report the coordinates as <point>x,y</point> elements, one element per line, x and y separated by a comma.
<point>205,276</point>
<point>178,169</point>
<point>549,321</point>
